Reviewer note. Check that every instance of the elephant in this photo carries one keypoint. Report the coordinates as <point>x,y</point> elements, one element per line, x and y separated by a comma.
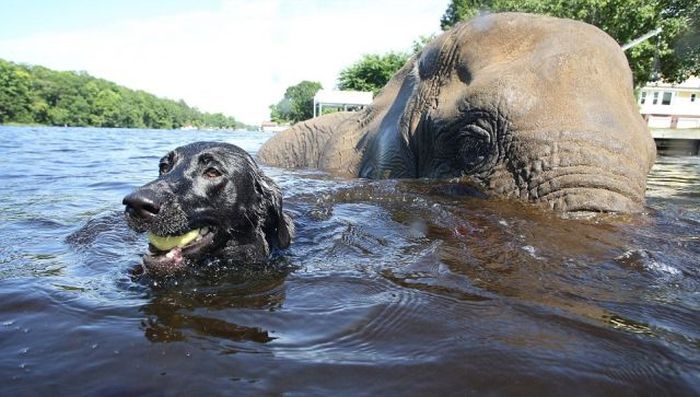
<point>530,107</point>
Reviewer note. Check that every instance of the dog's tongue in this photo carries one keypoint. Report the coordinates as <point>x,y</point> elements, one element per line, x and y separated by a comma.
<point>174,254</point>
<point>165,264</point>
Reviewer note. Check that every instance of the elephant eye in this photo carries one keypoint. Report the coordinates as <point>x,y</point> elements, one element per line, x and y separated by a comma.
<point>212,173</point>
<point>163,168</point>
<point>476,148</point>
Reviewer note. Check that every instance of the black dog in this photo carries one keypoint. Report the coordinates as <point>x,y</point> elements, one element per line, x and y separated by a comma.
<point>210,201</point>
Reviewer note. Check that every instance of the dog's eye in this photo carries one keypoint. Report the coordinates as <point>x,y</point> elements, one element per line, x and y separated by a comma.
<point>163,168</point>
<point>212,173</point>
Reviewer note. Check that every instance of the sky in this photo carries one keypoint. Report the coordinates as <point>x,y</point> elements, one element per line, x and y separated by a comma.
<point>231,56</point>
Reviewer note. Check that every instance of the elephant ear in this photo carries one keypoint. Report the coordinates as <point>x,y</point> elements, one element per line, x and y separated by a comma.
<point>277,226</point>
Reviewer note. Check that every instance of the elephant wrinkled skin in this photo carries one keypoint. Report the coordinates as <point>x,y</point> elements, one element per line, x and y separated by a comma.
<point>530,107</point>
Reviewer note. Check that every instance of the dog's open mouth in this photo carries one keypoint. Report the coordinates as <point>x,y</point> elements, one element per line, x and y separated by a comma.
<point>168,253</point>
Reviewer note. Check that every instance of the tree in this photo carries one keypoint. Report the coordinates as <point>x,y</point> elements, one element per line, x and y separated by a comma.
<point>462,10</point>
<point>106,109</point>
<point>15,102</point>
<point>297,103</point>
<point>677,53</point>
<point>372,72</point>
<point>34,94</point>
<point>421,42</point>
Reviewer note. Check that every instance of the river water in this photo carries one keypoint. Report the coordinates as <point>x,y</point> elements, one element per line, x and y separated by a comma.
<point>390,287</point>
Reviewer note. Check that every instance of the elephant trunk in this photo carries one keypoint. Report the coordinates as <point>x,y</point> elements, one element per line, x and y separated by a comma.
<point>589,171</point>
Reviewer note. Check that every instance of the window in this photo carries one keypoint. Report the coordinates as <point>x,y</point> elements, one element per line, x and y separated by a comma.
<point>692,97</point>
<point>656,98</point>
<point>644,97</point>
<point>666,100</point>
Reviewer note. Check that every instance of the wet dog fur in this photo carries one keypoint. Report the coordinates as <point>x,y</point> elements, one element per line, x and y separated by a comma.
<point>216,188</point>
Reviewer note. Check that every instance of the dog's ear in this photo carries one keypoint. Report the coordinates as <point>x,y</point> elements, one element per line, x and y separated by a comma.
<point>277,226</point>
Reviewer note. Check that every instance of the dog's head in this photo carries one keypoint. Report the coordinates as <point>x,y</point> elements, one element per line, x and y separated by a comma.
<point>210,200</point>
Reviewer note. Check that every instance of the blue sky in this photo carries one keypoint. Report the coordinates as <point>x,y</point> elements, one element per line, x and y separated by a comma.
<point>21,18</point>
<point>230,56</point>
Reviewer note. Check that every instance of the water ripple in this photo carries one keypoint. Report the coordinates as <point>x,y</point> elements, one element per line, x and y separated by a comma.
<point>390,287</point>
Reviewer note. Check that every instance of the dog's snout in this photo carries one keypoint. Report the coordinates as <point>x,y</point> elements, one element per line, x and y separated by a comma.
<point>142,204</point>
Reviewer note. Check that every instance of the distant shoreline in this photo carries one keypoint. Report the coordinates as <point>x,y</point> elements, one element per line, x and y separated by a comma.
<point>35,95</point>
<point>202,129</point>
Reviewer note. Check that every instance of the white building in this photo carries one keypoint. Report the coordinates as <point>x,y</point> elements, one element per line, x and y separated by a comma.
<point>345,100</point>
<point>665,105</point>
<point>271,126</point>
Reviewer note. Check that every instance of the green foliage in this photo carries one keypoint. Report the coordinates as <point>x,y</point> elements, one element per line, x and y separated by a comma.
<point>15,103</point>
<point>624,20</point>
<point>421,42</point>
<point>297,104</point>
<point>372,72</point>
<point>37,95</point>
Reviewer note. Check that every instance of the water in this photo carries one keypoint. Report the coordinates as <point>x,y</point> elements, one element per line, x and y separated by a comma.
<point>390,287</point>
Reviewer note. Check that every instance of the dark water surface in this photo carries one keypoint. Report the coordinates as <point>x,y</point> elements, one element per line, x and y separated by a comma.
<point>390,288</point>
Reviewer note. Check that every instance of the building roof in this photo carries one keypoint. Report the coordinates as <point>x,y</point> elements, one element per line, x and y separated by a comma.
<point>692,83</point>
<point>331,97</point>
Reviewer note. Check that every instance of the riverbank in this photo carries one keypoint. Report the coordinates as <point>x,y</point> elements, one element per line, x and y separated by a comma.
<point>87,127</point>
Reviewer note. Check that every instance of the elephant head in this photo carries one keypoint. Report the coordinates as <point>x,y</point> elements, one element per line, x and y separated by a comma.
<point>531,107</point>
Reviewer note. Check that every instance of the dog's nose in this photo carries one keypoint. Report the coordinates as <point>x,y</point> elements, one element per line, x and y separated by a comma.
<point>142,204</point>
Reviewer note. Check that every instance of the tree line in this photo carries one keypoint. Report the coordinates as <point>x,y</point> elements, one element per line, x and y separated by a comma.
<point>672,56</point>
<point>38,95</point>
